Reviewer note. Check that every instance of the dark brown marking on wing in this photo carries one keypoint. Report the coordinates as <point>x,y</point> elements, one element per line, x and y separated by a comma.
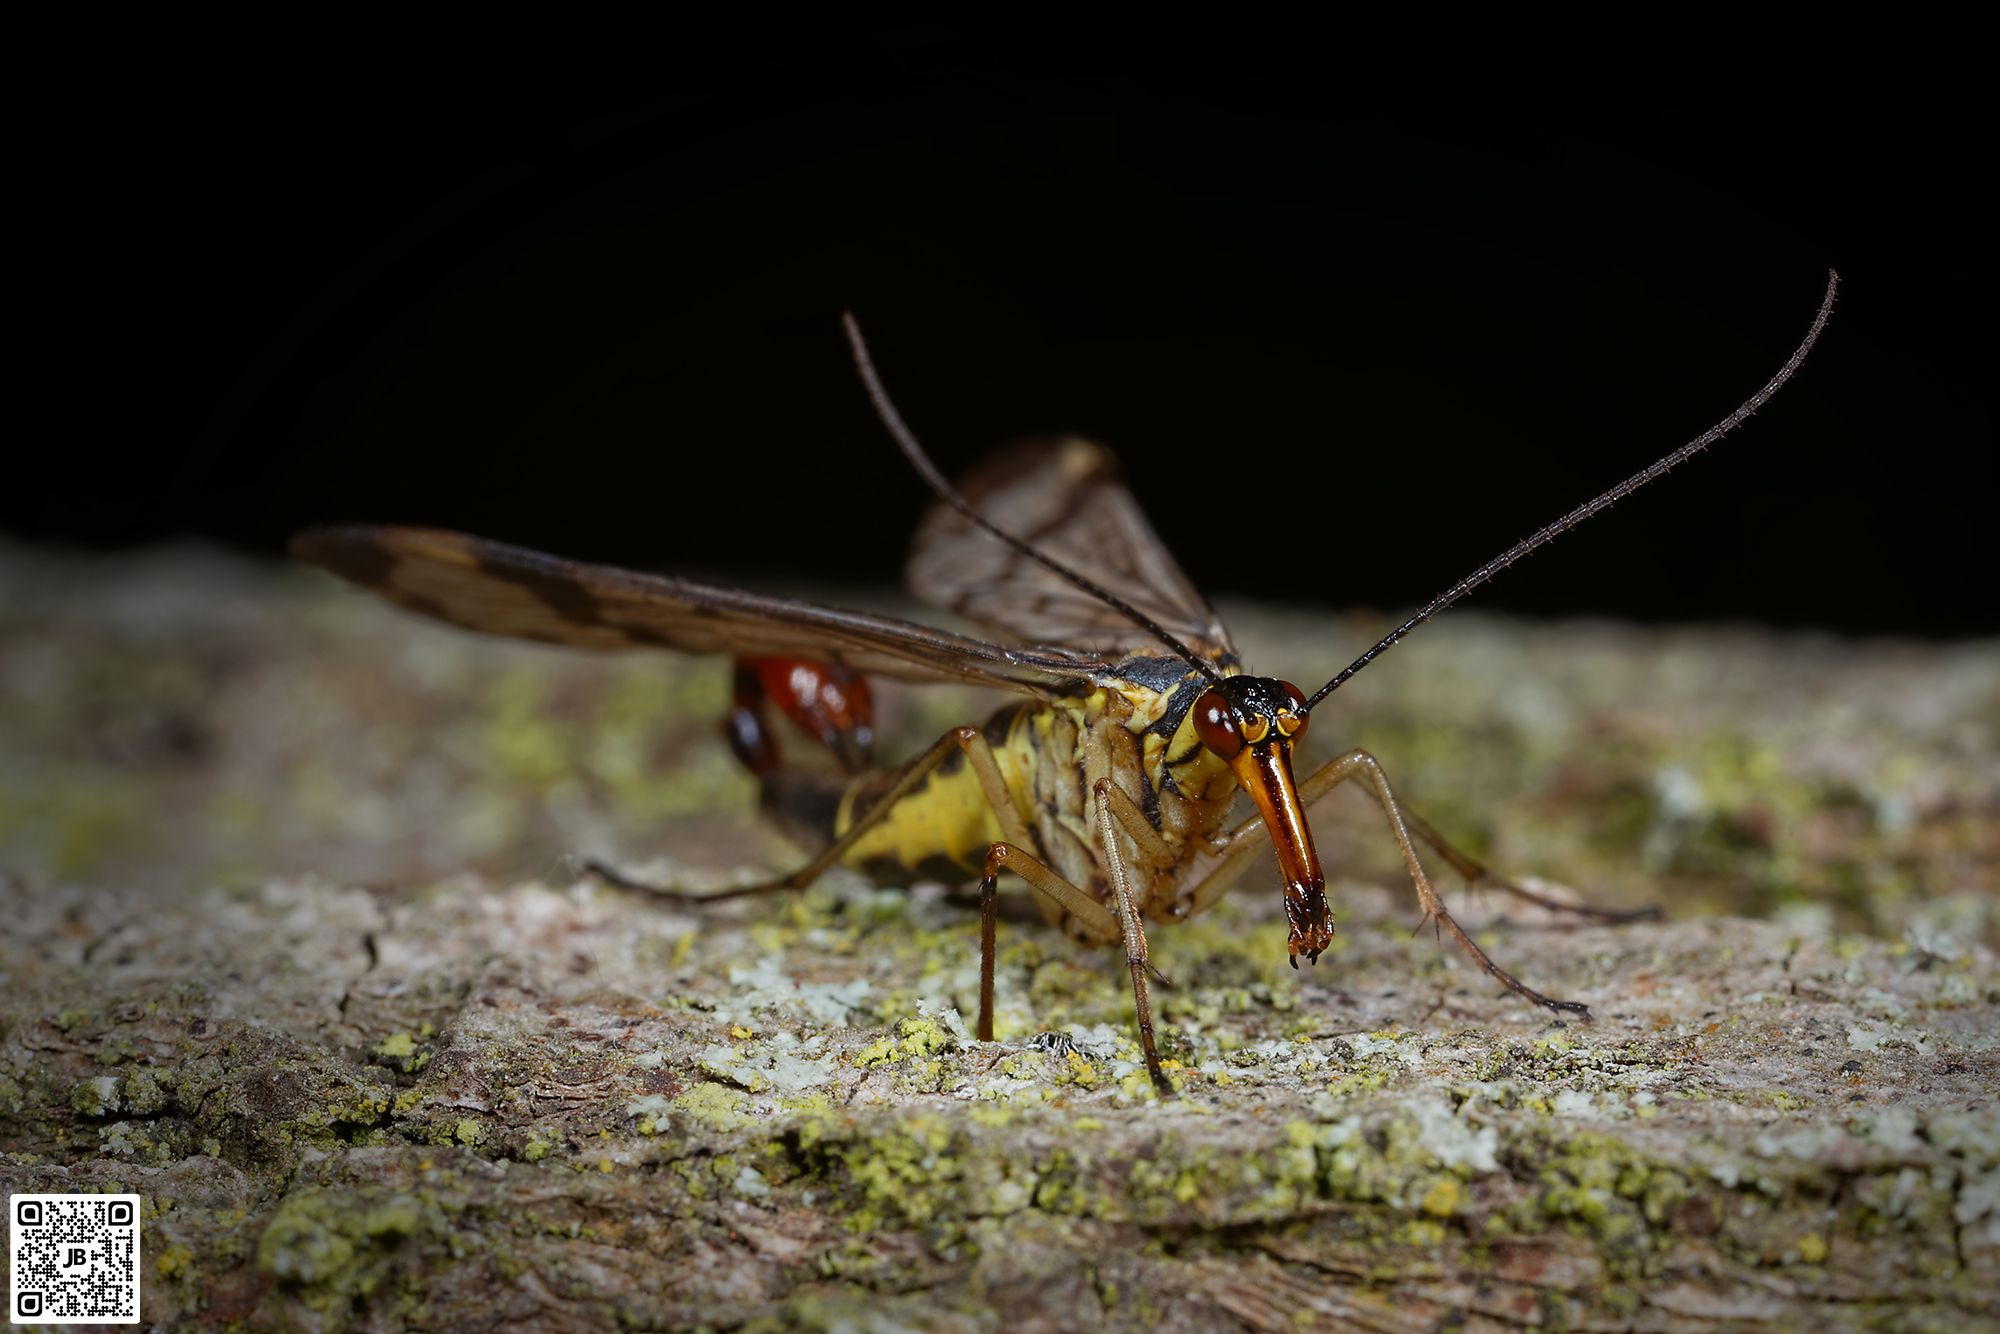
<point>367,563</point>
<point>559,591</point>
<point>642,634</point>
<point>363,562</point>
<point>500,589</point>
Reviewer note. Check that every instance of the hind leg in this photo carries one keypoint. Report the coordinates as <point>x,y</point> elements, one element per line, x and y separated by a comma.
<point>978,753</point>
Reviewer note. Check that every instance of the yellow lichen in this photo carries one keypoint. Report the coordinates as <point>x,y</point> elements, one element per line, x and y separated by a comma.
<point>880,1052</point>
<point>1441,1200</point>
<point>917,1038</point>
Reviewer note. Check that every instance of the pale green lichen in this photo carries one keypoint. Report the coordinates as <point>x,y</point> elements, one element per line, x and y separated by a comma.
<point>712,1105</point>
<point>333,1248</point>
<point>1602,1186</point>
<point>774,1067</point>
<point>95,1097</point>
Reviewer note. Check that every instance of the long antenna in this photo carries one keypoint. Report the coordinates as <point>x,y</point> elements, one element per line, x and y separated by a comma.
<point>907,441</point>
<point>1591,507</point>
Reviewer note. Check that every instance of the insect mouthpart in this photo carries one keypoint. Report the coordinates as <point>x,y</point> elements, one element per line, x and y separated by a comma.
<point>1249,722</point>
<point>1309,918</point>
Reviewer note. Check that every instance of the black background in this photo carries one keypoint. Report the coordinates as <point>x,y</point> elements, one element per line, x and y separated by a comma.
<point>1353,330</point>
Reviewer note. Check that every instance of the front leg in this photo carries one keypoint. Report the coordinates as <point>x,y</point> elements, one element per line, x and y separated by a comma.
<point>1121,921</point>
<point>1131,929</point>
<point>1359,764</point>
<point>1098,922</point>
<point>1238,849</point>
<point>1477,873</point>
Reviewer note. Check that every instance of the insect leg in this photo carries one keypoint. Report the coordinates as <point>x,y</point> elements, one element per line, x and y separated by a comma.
<point>978,752</point>
<point>1477,873</point>
<point>1242,841</point>
<point>1131,929</point>
<point>1098,921</point>
<point>1240,847</point>
<point>1240,844</point>
<point>989,941</point>
<point>1132,819</point>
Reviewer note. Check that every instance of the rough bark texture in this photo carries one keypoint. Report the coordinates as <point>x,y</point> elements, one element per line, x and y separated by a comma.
<point>294,949</point>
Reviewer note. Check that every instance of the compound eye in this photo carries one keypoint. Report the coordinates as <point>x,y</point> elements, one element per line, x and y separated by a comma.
<point>1292,721</point>
<point>1215,724</point>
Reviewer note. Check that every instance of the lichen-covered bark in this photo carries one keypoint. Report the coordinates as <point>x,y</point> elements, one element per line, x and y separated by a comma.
<point>294,949</point>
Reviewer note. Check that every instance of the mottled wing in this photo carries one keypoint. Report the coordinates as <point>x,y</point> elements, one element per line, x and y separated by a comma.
<point>509,590</point>
<point>1063,497</point>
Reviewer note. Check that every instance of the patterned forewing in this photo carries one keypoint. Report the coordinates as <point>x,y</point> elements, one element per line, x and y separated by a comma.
<point>1063,497</point>
<point>508,590</point>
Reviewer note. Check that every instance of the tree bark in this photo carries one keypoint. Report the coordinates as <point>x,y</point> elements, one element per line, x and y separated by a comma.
<point>296,951</point>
